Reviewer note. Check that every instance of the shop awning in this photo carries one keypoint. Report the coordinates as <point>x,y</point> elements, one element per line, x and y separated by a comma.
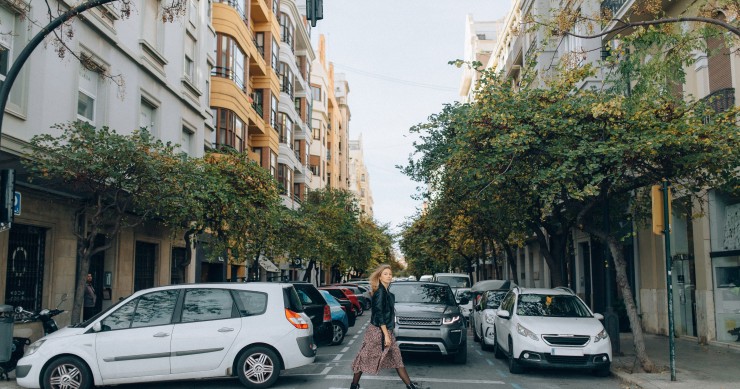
<point>268,266</point>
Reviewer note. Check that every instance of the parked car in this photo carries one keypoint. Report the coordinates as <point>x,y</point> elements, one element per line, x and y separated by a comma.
<point>346,303</point>
<point>426,278</point>
<point>454,280</point>
<point>348,293</point>
<point>550,328</point>
<point>249,330</point>
<point>339,321</point>
<point>362,294</point>
<point>318,310</point>
<point>429,320</point>
<point>466,309</point>
<point>412,278</point>
<point>484,312</point>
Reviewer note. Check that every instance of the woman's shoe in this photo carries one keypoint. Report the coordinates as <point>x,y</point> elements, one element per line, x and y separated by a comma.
<point>354,386</point>
<point>415,385</point>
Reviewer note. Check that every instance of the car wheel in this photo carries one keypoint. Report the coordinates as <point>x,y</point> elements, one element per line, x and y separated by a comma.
<point>461,357</point>
<point>483,345</point>
<point>360,311</point>
<point>67,372</point>
<point>603,371</point>
<point>258,367</point>
<point>514,366</point>
<point>497,352</point>
<point>338,333</point>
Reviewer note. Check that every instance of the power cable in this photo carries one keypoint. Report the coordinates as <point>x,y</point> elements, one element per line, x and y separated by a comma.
<point>395,80</point>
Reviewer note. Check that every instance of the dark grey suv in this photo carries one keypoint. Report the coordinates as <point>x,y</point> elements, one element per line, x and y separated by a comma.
<point>429,320</point>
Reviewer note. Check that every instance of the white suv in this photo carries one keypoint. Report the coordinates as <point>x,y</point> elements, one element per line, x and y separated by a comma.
<point>249,330</point>
<point>550,328</point>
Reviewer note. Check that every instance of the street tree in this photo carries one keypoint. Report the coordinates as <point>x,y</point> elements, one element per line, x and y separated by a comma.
<point>119,179</point>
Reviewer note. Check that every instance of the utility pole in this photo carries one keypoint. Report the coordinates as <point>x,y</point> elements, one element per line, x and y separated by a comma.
<point>661,198</point>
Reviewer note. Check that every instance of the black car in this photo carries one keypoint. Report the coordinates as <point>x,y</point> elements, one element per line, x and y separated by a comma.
<point>316,307</point>
<point>429,320</point>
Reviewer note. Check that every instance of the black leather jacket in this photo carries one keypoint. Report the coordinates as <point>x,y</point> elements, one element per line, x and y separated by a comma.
<point>382,308</point>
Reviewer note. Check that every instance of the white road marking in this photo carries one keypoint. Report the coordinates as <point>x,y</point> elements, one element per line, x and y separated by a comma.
<point>425,380</point>
<point>338,357</point>
<point>323,372</point>
<point>355,337</point>
<point>350,342</point>
<point>344,350</point>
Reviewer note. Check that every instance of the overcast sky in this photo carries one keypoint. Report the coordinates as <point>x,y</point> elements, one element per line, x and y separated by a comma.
<point>395,54</point>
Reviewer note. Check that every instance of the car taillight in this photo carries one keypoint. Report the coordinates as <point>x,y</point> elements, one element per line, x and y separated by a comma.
<point>296,319</point>
<point>327,313</point>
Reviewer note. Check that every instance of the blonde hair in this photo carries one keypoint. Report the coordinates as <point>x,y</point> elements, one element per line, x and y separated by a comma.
<point>375,277</point>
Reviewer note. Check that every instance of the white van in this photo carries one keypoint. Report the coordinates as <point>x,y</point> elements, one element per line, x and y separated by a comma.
<point>426,277</point>
<point>454,280</point>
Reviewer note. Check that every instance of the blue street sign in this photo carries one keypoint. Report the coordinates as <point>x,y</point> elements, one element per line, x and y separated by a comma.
<point>17,204</point>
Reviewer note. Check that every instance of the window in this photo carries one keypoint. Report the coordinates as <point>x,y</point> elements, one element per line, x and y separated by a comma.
<point>230,129</point>
<point>189,64</point>
<point>13,33</point>
<point>153,28</point>
<point>285,129</point>
<point>362,178</point>
<point>275,55</point>
<point>287,30</point>
<point>285,179</point>
<point>151,309</point>
<point>7,30</point>
<point>207,304</point>
<point>257,101</point>
<point>147,116</point>
<point>316,133</point>
<point>286,78</point>
<point>273,163</point>
<point>193,12</point>
<point>275,6</point>
<point>259,41</point>
<point>316,93</point>
<point>250,303</point>
<point>273,111</point>
<point>230,61</point>
<point>87,94</point>
<point>186,141</point>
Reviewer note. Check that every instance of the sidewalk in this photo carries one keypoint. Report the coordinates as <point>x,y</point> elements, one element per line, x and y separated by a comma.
<point>714,366</point>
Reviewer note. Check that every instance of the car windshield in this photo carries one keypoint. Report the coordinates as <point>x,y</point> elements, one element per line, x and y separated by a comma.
<point>455,281</point>
<point>493,299</point>
<point>423,293</point>
<point>551,305</point>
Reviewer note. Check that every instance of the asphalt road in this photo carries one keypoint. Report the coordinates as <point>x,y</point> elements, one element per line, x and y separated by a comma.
<point>332,370</point>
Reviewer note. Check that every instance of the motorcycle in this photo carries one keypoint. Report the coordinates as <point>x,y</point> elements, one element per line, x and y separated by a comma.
<point>18,346</point>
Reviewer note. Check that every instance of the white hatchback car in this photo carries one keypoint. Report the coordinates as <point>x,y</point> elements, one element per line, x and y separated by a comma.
<point>550,328</point>
<point>249,330</point>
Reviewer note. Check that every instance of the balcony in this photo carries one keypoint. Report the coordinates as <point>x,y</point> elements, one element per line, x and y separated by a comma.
<point>721,100</point>
<point>225,72</point>
<point>238,6</point>
<point>613,6</point>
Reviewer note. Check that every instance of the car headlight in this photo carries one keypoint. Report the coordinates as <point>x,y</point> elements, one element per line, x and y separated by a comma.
<point>451,319</point>
<point>601,335</point>
<point>523,331</point>
<point>490,318</point>
<point>33,347</point>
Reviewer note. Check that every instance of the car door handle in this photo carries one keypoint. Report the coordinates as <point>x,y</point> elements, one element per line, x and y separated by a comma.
<point>225,329</point>
<point>161,335</point>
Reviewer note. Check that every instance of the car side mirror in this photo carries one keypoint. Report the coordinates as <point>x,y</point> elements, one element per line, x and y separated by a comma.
<point>598,316</point>
<point>97,327</point>
<point>464,301</point>
<point>504,314</point>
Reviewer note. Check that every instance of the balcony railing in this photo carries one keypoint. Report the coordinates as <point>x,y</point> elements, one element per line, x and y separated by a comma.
<point>258,108</point>
<point>221,71</point>
<point>721,100</point>
<point>237,5</point>
<point>613,5</point>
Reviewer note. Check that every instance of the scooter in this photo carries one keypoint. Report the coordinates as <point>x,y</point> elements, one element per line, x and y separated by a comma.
<point>18,347</point>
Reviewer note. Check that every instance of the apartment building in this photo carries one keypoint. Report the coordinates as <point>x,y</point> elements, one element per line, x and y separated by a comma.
<point>359,177</point>
<point>705,248</point>
<point>325,120</point>
<point>165,69</point>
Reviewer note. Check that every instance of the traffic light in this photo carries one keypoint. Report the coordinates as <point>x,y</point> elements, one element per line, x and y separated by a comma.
<point>656,194</point>
<point>314,11</point>
<point>7,195</point>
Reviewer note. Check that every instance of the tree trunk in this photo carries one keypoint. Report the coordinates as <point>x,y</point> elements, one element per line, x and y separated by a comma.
<point>620,265</point>
<point>83,265</point>
<point>512,263</point>
<point>552,261</point>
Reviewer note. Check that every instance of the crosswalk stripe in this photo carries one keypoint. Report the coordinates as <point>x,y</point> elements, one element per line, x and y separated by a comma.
<point>425,379</point>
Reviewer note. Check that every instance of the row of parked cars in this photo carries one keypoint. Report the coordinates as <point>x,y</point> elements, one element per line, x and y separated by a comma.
<point>252,331</point>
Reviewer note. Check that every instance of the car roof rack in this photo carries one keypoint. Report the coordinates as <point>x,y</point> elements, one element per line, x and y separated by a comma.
<point>565,289</point>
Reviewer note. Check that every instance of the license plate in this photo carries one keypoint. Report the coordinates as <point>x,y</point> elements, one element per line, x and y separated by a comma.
<point>571,352</point>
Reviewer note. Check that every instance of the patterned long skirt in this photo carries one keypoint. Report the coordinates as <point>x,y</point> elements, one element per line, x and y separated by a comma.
<point>372,357</point>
